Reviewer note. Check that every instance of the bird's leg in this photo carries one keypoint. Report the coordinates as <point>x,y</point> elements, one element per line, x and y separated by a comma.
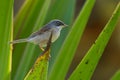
<point>42,48</point>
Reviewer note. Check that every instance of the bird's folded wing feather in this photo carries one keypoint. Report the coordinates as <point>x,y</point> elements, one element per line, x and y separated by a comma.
<point>39,32</point>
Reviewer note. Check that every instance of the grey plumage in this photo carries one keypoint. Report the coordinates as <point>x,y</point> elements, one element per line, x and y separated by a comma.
<point>41,36</point>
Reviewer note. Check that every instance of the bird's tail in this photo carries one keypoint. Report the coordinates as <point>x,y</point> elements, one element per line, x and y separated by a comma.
<point>19,41</point>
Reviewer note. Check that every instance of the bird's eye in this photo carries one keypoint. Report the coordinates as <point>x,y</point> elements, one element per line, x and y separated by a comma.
<point>58,23</point>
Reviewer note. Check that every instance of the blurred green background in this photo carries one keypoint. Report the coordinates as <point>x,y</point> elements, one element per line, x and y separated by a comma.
<point>102,11</point>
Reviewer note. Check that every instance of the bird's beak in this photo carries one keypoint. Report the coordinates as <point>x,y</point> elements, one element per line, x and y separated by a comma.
<point>65,25</point>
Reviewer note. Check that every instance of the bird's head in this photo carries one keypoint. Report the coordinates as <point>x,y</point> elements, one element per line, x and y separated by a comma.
<point>57,23</point>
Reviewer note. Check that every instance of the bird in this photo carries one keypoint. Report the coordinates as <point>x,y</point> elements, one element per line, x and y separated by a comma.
<point>41,37</point>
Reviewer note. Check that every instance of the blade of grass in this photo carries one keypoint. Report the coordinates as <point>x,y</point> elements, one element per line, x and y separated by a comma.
<point>28,13</point>
<point>40,69</point>
<point>29,50</point>
<point>23,25</point>
<point>6,19</point>
<point>88,64</point>
<point>63,10</point>
<point>67,51</point>
<point>116,76</point>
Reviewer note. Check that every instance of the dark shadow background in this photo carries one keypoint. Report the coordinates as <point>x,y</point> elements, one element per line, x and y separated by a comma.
<point>110,60</point>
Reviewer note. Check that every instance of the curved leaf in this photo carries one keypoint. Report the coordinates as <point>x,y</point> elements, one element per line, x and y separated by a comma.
<point>88,64</point>
<point>67,51</point>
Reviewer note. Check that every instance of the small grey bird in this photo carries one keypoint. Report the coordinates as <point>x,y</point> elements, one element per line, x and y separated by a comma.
<point>42,36</point>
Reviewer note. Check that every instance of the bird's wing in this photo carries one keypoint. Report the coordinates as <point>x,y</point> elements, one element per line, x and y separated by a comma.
<point>39,32</point>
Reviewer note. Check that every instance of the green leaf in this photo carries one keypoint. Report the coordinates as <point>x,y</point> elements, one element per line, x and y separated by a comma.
<point>63,10</point>
<point>67,51</point>
<point>40,69</point>
<point>88,64</point>
<point>29,50</point>
<point>116,76</point>
<point>23,25</point>
<point>6,25</point>
<point>27,16</point>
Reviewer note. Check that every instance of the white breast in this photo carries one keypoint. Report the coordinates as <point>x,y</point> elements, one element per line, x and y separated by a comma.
<point>56,33</point>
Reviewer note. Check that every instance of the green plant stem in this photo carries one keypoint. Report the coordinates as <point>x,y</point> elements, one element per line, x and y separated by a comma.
<point>6,26</point>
